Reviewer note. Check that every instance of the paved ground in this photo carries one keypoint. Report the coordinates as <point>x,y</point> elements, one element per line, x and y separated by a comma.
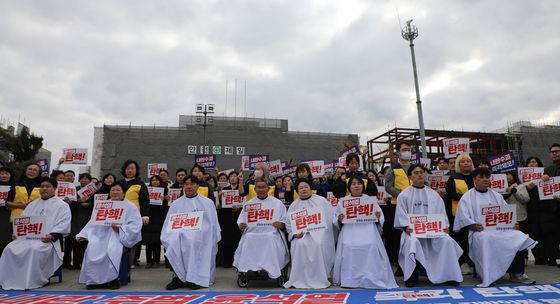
<point>155,279</point>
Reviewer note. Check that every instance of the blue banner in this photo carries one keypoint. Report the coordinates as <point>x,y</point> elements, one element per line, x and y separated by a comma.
<point>44,164</point>
<point>255,159</point>
<point>207,161</point>
<point>510,294</point>
<point>502,163</point>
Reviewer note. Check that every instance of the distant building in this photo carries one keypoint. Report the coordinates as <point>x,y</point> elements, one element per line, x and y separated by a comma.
<point>228,137</point>
<point>532,139</point>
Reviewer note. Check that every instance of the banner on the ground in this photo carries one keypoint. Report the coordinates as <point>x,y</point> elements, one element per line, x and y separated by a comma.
<point>75,156</point>
<point>66,190</point>
<point>502,162</point>
<point>185,221</point>
<point>498,217</point>
<point>30,227</point>
<point>358,209</point>
<point>156,195</point>
<point>106,213</point>
<point>305,220</point>
<point>155,168</point>
<point>455,146</point>
<point>427,225</point>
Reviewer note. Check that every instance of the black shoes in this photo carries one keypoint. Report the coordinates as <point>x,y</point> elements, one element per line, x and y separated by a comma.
<point>174,284</point>
<point>192,286</point>
<point>451,283</point>
<point>114,284</point>
<point>399,272</point>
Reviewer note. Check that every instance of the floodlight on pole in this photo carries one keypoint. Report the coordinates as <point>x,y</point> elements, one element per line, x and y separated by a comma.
<point>207,110</point>
<point>410,32</point>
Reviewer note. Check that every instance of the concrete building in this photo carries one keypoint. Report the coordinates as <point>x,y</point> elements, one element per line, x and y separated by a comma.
<point>531,139</point>
<point>229,138</point>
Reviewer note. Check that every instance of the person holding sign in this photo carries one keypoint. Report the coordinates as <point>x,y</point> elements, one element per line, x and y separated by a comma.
<point>25,191</point>
<point>312,248</point>
<point>6,184</point>
<point>229,230</point>
<point>263,246</point>
<point>439,254</point>
<point>552,171</point>
<point>494,252</point>
<point>28,264</point>
<point>190,236</point>
<point>106,243</point>
<point>361,260</point>
<point>151,232</point>
<point>204,187</point>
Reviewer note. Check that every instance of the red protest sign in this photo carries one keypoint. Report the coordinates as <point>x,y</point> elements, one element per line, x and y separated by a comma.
<point>498,217</point>
<point>427,225</point>
<point>358,209</point>
<point>185,221</point>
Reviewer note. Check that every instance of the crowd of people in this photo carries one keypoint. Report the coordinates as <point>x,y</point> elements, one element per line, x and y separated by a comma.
<point>355,255</point>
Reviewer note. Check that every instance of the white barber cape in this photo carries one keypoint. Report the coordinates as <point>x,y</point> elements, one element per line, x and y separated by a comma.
<point>102,258</point>
<point>192,253</point>
<point>491,251</point>
<point>28,264</point>
<point>263,247</point>
<point>313,254</point>
<point>361,260</point>
<point>439,256</point>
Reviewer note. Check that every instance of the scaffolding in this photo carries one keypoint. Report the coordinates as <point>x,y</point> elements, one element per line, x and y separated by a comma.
<point>382,148</point>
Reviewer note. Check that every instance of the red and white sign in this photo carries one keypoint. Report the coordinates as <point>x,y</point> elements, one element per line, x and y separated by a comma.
<point>156,195</point>
<point>106,213</point>
<point>259,214</point>
<point>333,200</point>
<point>66,190</point>
<point>317,168</point>
<point>382,194</point>
<point>498,217</point>
<point>550,188</point>
<point>359,209</point>
<point>231,198</point>
<point>29,227</point>
<point>87,191</point>
<point>174,194</point>
<point>425,162</point>
<point>154,169</point>
<point>307,220</point>
<point>100,197</point>
<point>427,225</point>
<point>275,168</point>
<point>438,182</point>
<point>342,162</point>
<point>75,156</point>
<point>440,172</point>
<point>529,174</point>
<point>186,221</point>
<point>455,146</point>
<point>4,194</point>
<point>245,163</point>
<point>498,182</point>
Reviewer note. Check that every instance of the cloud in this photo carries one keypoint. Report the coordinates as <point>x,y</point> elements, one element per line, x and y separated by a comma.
<point>325,65</point>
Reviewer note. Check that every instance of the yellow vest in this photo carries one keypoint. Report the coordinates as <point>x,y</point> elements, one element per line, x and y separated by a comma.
<point>401,182</point>
<point>133,194</point>
<point>365,185</point>
<point>461,188</point>
<point>23,198</point>
<point>252,193</point>
<point>202,191</point>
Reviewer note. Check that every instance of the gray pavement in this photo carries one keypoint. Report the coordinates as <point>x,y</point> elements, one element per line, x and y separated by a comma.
<point>155,279</point>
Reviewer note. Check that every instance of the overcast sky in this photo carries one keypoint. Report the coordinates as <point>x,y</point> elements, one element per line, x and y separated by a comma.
<point>330,66</point>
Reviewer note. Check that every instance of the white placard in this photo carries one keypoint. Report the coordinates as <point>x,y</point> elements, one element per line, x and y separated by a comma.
<point>154,169</point>
<point>66,190</point>
<point>427,225</point>
<point>550,188</point>
<point>231,198</point>
<point>317,168</point>
<point>75,156</point>
<point>106,213</point>
<point>100,197</point>
<point>87,191</point>
<point>358,209</point>
<point>4,194</point>
<point>189,221</point>
<point>29,227</point>
<point>530,174</point>
<point>245,163</point>
<point>156,195</point>
<point>498,183</point>
<point>498,217</point>
<point>174,194</point>
<point>455,146</point>
<point>382,194</point>
<point>259,213</point>
<point>438,182</point>
<point>275,168</point>
<point>307,220</point>
<point>425,162</point>
<point>333,200</point>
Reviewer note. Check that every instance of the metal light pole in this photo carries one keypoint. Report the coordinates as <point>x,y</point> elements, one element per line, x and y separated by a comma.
<point>409,32</point>
<point>204,120</point>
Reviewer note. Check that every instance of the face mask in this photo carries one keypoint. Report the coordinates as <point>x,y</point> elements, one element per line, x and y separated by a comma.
<point>406,155</point>
<point>258,173</point>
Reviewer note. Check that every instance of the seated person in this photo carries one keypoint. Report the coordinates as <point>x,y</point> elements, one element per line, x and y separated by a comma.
<point>263,245</point>
<point>439,256</point>
<point>494,252</point>
<point>28,264</point>
<point>192,253</point>
<point>102,259</point>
